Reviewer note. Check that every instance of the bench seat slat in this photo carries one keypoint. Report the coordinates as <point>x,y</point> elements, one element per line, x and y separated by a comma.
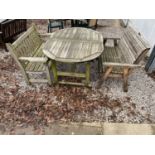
<point>36,66</point>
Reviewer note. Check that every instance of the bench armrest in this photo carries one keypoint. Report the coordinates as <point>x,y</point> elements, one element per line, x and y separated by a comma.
<point>120,64</point>
<point>34,59</point>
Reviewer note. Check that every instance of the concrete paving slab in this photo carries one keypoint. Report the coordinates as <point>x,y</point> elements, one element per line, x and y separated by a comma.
<point>87,129</point>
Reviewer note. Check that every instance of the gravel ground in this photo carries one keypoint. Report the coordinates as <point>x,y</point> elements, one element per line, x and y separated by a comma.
<point>38,105</point>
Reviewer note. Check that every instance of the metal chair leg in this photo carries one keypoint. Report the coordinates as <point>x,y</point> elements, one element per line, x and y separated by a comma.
<point>48,28</point>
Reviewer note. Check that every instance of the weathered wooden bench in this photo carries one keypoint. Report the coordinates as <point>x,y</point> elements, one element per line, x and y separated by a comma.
<point>126,55</point>
<point>27,52</point>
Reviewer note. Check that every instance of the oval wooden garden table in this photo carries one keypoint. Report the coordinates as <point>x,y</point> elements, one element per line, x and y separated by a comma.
<point>73,45</point>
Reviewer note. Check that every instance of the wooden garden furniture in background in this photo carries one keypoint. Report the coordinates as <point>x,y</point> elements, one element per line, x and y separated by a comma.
<point>126,55</point>
<point>10,28</point>
<point>112,36</point>
<point>79,22</point>
<point>73,45</point>
<point>87,23</point>
<point>92,23</point>
<point>27,52</point>
<point>55,23</point>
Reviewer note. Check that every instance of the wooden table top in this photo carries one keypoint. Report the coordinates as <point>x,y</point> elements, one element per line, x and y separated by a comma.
<point>74,45</point>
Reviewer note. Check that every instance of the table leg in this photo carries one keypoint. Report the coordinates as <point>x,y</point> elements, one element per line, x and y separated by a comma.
<point>87,73</point>
<point>54,70</point>
<point>100,67</point>
<point>104,41</point>
<point>115,42</point>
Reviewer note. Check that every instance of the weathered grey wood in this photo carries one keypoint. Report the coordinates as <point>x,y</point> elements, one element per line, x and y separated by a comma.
<point>71,74</point>
<point>33,59</point>
<point>109,43</point>
<point>48,74</point>
<point>137,44</point>
<point>125,79</point>
<point>126,55</point>
<point>54,69</point>
<point>27,52</point>
<point>111,32</point>
<point>74,83</point>
<point>38,80</point>
<point>120,64</point>
<point>73,45</point>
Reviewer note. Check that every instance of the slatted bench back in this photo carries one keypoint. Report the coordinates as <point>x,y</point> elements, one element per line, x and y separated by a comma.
<point>28,43</point>
<point>138,46</point>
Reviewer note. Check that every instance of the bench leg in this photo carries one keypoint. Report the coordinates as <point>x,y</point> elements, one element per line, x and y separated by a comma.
<point>106,74</point>
<point>125,79</point>
<point>108,71</point>
<point>48,74</point>
<point>54,70</point>
<point>26,77</point>
<point>115,42</point>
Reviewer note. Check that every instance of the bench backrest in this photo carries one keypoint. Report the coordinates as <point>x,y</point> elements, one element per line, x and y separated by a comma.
<point>137,44</point>
<point>26,44</point>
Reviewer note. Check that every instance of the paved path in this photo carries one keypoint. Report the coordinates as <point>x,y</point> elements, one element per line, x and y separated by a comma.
<point>88,129</point>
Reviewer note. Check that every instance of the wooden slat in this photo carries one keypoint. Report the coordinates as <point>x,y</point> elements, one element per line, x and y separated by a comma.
<point>109,43</point>
<point>33,59</point>
<point>27,51</point>
<point>136,42</point>
<point>74,83</point>
<point>120,59</point>
<point>36,66</point>
<point>120,64</point>
<point>70,74</point>
<point>74,45</point>
<point>39,80</point>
